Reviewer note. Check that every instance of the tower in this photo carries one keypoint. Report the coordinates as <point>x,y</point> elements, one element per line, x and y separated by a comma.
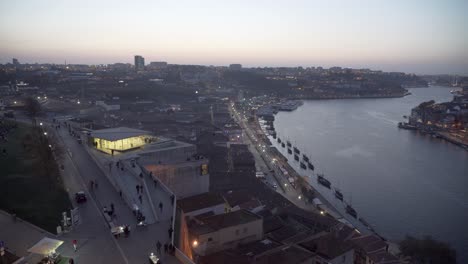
<point>139,63</point>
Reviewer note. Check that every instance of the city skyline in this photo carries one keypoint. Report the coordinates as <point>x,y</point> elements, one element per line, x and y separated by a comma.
<point>423,37</point>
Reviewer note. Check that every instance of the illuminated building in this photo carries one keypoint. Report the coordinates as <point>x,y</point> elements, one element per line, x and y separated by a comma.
<point>176,164</point>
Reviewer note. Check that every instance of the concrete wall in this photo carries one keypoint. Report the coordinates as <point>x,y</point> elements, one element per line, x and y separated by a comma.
<point>185,179</point>
<point>346,258</point>
<point>230,237</point>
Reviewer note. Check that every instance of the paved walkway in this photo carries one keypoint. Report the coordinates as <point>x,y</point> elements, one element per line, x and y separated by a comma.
<point>95,243</point>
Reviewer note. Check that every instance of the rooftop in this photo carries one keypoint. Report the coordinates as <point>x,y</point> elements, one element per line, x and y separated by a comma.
<point>118,133</point>
<point>200,201</point>
<point>369,243</point>
<point>289,254</point>
<point>217,222</point>
<point>328,246</point>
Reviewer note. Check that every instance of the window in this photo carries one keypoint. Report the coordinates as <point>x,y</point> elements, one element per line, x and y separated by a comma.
<point>210,239</point>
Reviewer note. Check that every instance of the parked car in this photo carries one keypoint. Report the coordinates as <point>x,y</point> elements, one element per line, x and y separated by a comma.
<point>80,197</point>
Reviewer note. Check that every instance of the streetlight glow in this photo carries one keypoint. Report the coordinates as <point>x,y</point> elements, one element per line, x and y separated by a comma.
<point>195,243</point>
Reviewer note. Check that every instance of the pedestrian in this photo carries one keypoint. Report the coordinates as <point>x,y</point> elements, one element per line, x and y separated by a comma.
<point>140,198</point>
<point>75,244</point>
<point>120,193</point>
<point>71,261</point>
<point>160,206</point>
<point>112,207</point>
<point>141,188</point>
<point>170,232</point>
<point>141,175</point>
<point>155,183</point>
<point>166,247</point>
<point>91,184</point>
<point>137,188</point>
<point>158,247</point>
<point>95,184</point>
<point>126,231</point>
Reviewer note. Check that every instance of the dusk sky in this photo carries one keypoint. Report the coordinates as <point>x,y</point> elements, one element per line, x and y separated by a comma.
<point>418,36</point>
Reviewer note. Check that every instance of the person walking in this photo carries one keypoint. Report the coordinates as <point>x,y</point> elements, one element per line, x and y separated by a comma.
<point>120,193</point>
<point>155,183</point>
<point>137,188</point>
<point>140,198</point>
<point>95,184</point>
<point>170,232</point>
<point>158,247</point>
<point>75,244</point>
<point>160,206</point>
<point>112,207</point>
<point>166,247</point>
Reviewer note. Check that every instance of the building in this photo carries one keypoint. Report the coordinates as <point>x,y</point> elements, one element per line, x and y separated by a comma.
<point>235,67</point>
<point>218,232</point>
<point>108,106</point>
<point>330,249</point>
<point>176,164</point>
<point>158,65</point>
<point>15,62</point>
<point>201,205</point>
<point>139,63</point>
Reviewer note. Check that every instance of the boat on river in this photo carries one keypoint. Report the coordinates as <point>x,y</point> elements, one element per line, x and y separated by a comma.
<point>296,157</point>
<point>289,151</point>
<point>305,158</point>
<point>303,166</point>
<point>338,194</point>
<point>350,210</point>
<point>321,179</point>
<point>296,150</point>
<point>310,166</point>
<point>283,145</point>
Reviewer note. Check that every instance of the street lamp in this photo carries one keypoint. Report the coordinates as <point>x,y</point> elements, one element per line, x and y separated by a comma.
<point>195,243</point>
<point>45,133</point>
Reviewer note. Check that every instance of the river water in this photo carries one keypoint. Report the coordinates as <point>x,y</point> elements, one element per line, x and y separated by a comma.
<point>399,181</point>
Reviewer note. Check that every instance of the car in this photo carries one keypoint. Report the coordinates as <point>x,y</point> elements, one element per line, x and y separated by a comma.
<point>275,186</point>
<point>80,197</point>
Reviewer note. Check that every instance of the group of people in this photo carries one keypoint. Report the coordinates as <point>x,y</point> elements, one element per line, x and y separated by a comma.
<point>168,248</point>
<point>93,184</point>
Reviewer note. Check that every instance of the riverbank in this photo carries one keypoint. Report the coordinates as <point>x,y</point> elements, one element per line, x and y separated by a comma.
<point>331,97</point>
<point>389,174</point>
<point>451,137</point>
<point>283,172</point>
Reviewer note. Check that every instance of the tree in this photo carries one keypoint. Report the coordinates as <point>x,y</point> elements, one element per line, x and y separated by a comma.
<point>427,251</point>
<point>32,107</point>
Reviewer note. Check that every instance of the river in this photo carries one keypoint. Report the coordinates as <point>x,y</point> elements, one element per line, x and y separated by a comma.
<point>399,181</point>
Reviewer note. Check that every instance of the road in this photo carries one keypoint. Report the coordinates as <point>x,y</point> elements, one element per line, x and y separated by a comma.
<point>265,161</point>
<point>95,242</point>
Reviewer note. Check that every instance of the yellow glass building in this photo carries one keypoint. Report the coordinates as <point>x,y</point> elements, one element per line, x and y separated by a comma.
<point>120,139</point>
